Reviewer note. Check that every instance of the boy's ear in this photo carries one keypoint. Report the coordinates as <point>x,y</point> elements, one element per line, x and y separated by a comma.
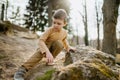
<point>65,23</point>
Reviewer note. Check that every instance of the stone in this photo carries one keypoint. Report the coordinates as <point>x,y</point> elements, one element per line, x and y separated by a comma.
<point>87,63</point>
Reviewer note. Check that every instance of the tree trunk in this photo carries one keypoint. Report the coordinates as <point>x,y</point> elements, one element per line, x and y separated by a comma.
<point>7,2</point>
<point>2,13</point>
<point>50,12</point>
<point>86,27</point>
<point>98,39</point>
<point>98,26</point>
<point>110,14</point>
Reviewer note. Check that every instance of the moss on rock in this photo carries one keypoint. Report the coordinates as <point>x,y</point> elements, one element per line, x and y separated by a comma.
<point>47,75</point>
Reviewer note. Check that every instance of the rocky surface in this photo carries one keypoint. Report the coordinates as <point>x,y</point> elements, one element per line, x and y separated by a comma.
<point>87,63</point>
<point>14,51</point>
<point>16,46</point>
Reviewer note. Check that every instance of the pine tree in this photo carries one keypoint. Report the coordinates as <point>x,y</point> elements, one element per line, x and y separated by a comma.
<point>36,18</point>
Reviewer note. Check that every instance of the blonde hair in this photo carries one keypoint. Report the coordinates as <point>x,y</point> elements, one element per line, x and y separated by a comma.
<point>60,14</point>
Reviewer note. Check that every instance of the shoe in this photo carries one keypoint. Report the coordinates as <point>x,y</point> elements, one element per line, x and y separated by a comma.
<point>20,74</point>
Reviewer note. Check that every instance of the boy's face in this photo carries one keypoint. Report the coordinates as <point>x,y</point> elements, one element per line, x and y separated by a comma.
<point>58,24</point>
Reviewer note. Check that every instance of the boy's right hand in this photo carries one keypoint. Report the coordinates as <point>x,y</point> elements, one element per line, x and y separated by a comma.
<point>49,57</point>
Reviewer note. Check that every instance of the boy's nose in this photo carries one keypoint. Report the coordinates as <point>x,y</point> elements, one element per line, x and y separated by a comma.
<point>55,25</point>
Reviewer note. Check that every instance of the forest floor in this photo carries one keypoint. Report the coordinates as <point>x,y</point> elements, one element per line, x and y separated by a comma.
<point>14,51</point>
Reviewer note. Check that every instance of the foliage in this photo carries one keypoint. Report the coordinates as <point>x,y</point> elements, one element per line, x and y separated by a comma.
<point>36,18</point>
<point>47,75</point>
<point>15,15</point>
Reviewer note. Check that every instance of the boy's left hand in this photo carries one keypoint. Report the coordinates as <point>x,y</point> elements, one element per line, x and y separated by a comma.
<point>72,49</point>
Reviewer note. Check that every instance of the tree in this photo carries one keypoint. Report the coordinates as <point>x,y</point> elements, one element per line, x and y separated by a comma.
<point>37,16</point>
<point>50,8</point>
<point>84,19</point>
<point>40,13</point>
<point>7,4</point>
<point>57,4</point>
<point>86,26</point>
<point>110,14</point>
<point>98,19</point>
<point>15,15</point>
<point>2,12</point>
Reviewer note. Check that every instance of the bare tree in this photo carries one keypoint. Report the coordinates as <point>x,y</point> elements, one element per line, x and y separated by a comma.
<point>98,19</point>
<point>15,15</point>
<point>2,12</point>
<point>110,14</point>
<point>84,19</point>
<point>7,4</point>
<point>50,8</point>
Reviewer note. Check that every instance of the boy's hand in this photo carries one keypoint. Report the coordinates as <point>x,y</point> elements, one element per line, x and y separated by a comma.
<point>72,49</point>
<point>49,57</point>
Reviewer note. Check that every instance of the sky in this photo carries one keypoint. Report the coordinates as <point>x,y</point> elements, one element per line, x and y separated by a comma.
<point>76,19</point>
<point>13,4</point>
<point>21,3</point>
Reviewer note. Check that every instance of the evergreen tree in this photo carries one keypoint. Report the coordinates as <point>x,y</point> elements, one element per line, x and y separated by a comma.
<point>38,11</point>
<point>36,18</point>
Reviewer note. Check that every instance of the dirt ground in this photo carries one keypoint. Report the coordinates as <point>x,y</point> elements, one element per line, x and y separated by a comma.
<point>15,50</point>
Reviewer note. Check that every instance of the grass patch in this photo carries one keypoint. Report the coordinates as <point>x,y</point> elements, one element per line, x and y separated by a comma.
<point>47,75</point>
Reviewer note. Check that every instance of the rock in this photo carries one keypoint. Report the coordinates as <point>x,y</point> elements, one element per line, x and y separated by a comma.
<point>88,64</point>
<point>2,54</point>
<point>118,50</point>
<point>118,59</point>
<point>88,53</point>
<point>1,72</point>
<point>14,51</point>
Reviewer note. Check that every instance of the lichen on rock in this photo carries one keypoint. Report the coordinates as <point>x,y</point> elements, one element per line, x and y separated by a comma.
<point>88,64</point>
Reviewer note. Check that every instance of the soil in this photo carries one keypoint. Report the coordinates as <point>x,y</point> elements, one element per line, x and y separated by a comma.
<point>15,50</point>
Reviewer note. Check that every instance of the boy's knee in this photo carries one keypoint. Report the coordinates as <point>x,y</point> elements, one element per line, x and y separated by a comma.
<point>58,44</point>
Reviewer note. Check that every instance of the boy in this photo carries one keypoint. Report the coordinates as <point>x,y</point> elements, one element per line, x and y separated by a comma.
<point>51,42</point>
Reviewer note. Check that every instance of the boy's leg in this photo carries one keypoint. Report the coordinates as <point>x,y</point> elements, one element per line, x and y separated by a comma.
<point>56,48</point>
<point>33,60</point>
<point>20,73</point>
<point>37,56</point>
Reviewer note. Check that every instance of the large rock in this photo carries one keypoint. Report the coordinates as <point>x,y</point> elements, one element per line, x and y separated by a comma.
<point>87,63</point>
<point>118,59</point>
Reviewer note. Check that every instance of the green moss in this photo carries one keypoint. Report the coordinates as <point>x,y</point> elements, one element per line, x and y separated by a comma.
<point>103,68</point>
<point>2,56</point>
<point>47,75</point>
<point>76,74</point>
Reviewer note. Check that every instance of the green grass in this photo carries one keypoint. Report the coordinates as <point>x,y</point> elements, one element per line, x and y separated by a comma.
<point>47,75</point>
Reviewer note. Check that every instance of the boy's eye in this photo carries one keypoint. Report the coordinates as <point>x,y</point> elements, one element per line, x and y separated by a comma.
<point>57,23</point>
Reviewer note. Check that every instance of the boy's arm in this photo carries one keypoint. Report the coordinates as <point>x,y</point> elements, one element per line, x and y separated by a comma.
<point>66,45</point>
<point>42,40</point>
<point>46,51</point>
<point>43,46</point>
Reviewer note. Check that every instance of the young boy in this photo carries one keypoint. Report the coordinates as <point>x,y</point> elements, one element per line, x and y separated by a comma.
<point>51,42</point>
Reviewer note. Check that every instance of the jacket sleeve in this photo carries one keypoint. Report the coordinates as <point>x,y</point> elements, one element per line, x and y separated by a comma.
<point>43,38</point>
<point>65,42</point>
